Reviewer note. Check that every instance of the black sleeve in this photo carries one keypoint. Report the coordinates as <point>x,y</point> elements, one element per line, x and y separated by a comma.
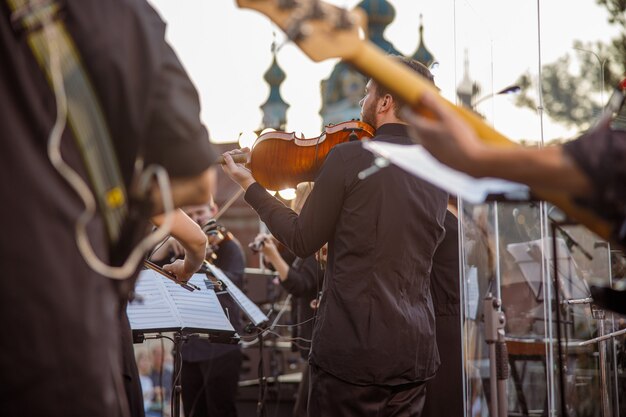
<point>600,154</point>
<point>304,280</point>
<point>306,233</point>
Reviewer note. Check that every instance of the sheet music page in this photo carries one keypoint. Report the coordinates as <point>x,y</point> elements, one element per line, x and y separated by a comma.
<point>529,255</point>
<point>166,306</point>
<point>156,308</point>
<point>199,309</point>
<point>252,311</point>
<point>417,161</point>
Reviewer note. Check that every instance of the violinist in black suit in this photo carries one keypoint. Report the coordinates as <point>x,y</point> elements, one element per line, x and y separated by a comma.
<point>210,371</point>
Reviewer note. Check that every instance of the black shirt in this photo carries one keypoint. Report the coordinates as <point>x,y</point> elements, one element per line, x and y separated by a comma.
<point>304,281</point>
<point>444,393</point>
<point>601,155</point>
<point>444,278</point>
<point>375,324</point>
<point>64,350</point>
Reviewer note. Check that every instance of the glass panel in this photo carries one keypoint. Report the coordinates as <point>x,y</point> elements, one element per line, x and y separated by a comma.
<point>507,249</point>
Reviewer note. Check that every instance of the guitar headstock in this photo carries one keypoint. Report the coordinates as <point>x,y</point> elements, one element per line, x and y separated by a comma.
<point>321,30</point>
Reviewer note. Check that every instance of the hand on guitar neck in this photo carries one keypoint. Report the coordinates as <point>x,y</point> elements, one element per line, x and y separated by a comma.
<point>452,141</point>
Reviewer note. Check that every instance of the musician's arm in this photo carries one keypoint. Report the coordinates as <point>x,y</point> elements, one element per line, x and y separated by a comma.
<point>452,141</point>
<point>270,251</point>
<point>193,240</point>
<point>186,191</point>
<point>548,168</point>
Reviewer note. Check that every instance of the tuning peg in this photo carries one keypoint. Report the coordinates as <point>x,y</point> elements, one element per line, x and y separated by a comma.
<point>316,12</point>
<point>287,4</point>
<point>344,20</point>
<point>298,30</point>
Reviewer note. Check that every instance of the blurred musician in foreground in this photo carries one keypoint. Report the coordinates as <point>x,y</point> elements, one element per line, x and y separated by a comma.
<point>65,358</point>
<point>210,371</point>
<point>303,279</point>
<point>590,168</point>
<point>373,343</point>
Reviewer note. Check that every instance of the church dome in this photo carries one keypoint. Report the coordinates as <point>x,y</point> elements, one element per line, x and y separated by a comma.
<point>379,12</point>
<point>274,75</point>
<point>422,54</point>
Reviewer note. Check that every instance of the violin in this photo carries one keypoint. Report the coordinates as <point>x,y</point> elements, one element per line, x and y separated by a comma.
<point>280,160</point>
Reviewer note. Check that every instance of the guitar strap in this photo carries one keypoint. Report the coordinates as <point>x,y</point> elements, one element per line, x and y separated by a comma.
<point>85,116</point>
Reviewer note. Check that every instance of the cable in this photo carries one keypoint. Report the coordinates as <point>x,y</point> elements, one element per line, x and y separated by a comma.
<point>83,190</point>
<point>268,329</point>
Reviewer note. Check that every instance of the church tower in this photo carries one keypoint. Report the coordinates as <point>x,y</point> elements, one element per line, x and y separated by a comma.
<point>343,89</point>
<point>422,54</point>
<point>467,89</point>
<point>275,108</point>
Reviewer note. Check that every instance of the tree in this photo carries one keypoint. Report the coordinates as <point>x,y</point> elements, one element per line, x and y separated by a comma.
<point>569,97</point>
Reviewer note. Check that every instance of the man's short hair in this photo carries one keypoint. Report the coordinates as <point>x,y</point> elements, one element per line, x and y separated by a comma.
<point>415,66</point>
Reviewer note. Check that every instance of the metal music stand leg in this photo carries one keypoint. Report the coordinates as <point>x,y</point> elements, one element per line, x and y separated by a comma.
<point>498,358</point>
<point>557,298</point>
<point>599,315</point>
<point>179,339</point>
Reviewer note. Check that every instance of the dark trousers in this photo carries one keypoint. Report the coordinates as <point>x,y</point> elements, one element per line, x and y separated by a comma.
<point>300,407</point>
<point>209,387</point>
<point>445,391</point>
<point>330,396</point>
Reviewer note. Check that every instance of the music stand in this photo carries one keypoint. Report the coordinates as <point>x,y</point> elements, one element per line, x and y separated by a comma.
<point>528,255</point>
<point>250,309</point>
<point>161,305</point>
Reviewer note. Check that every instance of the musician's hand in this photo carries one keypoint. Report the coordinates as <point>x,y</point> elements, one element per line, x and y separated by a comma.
<point>322,255</point>
<point>170,248</point>
<point>268,248</point>
<point>177,268</point>
<point>448,137</point>
<point>238,172</point>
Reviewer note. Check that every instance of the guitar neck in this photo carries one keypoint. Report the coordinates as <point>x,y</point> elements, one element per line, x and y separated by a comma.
<point>404,83</point>
<point>409,87</point>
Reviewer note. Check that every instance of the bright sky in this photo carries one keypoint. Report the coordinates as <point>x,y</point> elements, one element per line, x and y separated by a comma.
<point>226,50</point>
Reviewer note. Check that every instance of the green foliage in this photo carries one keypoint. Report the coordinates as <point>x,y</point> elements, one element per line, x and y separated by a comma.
<point>573,99</point>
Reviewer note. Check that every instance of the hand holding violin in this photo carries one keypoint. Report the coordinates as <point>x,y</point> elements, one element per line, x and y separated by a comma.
<point>237,172</point>
<point>266,245</point>
<point>179,270</point>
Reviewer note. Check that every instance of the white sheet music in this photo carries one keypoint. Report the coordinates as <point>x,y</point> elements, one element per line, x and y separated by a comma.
<point>166,306</point>
<point>529,256</point>
<point>417,161</point>
<point>251,310</point>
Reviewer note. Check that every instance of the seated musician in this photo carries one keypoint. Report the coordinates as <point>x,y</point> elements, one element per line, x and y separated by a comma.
<point>210,371</point>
